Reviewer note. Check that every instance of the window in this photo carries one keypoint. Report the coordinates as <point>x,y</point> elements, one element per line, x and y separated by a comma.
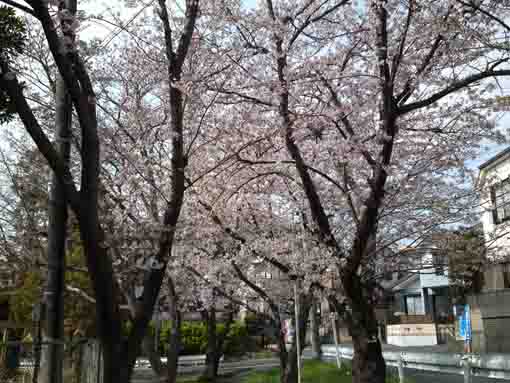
<point>439,261</point>
<point>4,311</point>
<point>500,194</point>
<point>414,305</point>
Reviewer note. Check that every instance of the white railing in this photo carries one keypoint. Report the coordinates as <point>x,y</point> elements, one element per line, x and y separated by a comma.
<point>488,365</point>
<point>183,361</point>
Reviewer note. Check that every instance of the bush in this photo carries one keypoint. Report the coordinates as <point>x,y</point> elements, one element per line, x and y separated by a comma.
<point>238,340</point>
<point>194,338</point>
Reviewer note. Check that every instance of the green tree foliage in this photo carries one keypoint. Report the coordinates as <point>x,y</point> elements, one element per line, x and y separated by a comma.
<point>26,296</point>
<point>79,312</point>
<point>194,338</point>
<point>12,41</point>
<point>466,258</point>
<point>30,183</point>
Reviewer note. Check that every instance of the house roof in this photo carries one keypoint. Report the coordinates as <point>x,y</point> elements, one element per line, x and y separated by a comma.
<point>406,281</point>
<point>494,159</point>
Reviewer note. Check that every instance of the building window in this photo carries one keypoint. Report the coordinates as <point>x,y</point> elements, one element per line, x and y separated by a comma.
<point>439,261</point>
<point>4,311</point>
<point>414,305</point>
<point>500,194</point>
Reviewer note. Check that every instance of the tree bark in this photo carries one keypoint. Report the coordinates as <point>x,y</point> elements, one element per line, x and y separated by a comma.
<point>174,346</point>
<point>211,359</point>
<point>368,365</point>
<point>51,370</point>
<point>53,353</point>
<point>215,344</point>
<point>288,358</point>
<point>148,347</point>
<point>167,372</point>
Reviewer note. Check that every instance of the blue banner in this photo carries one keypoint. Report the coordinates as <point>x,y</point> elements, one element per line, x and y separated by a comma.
<point>465,323</point>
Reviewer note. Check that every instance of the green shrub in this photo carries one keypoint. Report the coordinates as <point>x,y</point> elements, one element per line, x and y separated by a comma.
<point>194,338</point>
<point>238,340</point>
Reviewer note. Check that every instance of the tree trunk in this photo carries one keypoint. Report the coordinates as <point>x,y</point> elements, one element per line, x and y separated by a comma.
<point>282,354</point>
<point>148,347</point>
<point>289,374</point>
<point>215,343</point>
<point>368,365</point>
<point>314,332</point>
<point>169,369</point>
<point>51,370</point>
<point>288,359</point>
<point>174,346</point>
<point>53,353</point>
<point>211,359</point>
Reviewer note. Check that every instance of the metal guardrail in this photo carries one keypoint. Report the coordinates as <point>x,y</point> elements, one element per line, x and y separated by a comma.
<point>488,365</point>
<point>183,361</point>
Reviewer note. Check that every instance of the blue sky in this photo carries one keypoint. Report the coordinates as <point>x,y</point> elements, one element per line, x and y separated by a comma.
<point>490,149</point>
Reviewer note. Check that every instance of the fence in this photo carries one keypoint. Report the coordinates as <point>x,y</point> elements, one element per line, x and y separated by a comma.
<point>183,361</point>
<point>82,362</point>
<point>488,365</point>
<point>22,362</point>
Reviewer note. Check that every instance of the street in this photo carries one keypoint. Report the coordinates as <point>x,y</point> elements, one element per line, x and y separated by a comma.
<point>147,376</point>
<point>434,377</point>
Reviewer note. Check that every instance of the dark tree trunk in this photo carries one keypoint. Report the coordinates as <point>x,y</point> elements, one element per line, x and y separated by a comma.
<point>288,358</point>
<point>174,346</point>
<point>215,343</point>
<point>211,359</point>
<point>282,352</point>
<point>149,349</point>
<point>166,372</point>
<point>174,343</point>
<point>289,374</point>
<point>53,354</point>
<point>368,365</point>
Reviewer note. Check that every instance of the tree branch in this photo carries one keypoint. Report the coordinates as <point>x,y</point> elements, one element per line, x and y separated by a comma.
<point>451,89</point>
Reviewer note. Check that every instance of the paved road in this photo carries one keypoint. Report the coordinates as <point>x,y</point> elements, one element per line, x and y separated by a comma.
<point>147,376</point>
<point>433,377</point>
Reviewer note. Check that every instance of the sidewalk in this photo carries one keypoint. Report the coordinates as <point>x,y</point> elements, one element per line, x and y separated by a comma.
<point>390,347</point>
<point>436,348</point>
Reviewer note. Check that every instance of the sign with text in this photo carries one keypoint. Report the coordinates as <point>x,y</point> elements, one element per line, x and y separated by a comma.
<point>465,323</point>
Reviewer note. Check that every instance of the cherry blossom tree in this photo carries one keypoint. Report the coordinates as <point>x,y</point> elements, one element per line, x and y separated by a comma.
<point>372,116</point>
<point>311,135</point>
<point>119,355</point>
<point>256,241</point>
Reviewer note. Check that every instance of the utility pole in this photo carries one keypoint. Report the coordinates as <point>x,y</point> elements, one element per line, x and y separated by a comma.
<point>52,370</point>
<point>335,335</point>
<point>297,332</point>
<point>314,331</point>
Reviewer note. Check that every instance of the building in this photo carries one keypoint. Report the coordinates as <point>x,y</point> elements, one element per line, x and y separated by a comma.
<point>490,309</point>
<point>424,290</point>
<point>494,186</point>
<point>421,307</point>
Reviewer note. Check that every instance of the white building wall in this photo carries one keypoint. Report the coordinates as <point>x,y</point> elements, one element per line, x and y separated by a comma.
<point>428,277</point>
<point>497,236</point>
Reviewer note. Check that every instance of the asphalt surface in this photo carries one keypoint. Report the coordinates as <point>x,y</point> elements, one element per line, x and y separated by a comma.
<point>147,376</point>
<point>433,377</point>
